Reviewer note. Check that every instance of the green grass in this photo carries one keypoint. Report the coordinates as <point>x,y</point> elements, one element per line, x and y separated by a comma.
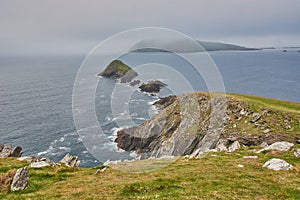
<point>210,177</point>
<point>269,102</point>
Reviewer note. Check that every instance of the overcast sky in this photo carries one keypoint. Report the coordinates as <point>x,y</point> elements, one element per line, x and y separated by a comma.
<point>79,25</point>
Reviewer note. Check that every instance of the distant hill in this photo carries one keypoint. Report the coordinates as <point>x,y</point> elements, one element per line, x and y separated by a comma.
<point>185,45</point>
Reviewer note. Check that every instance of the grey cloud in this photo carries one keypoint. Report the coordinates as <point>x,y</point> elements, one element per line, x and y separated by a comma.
<point>35,23</point>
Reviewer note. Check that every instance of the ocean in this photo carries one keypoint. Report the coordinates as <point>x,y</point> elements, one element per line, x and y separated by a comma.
<point>36,96</point>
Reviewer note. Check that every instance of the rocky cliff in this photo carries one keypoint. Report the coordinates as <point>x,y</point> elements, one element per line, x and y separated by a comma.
<point>185,125</point>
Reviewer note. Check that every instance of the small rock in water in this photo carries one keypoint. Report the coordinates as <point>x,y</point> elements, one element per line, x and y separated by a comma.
<point>277,164</point>
<point>297,153</point>
<point>20,179</point>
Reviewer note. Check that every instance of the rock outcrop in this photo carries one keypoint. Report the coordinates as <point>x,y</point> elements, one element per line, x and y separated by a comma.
<point>119,70</point>
<point>20,179</point>
<point>277,164</point>
<point>70,161</point>
<point>152,86</point>
<point>8,151</point>
<point>279,146</point>
<point>297,153</point>
<point>176,130</point>
<point>184,127</point>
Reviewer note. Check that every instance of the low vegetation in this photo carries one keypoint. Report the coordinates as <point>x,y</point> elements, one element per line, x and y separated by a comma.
<point>213,176</point>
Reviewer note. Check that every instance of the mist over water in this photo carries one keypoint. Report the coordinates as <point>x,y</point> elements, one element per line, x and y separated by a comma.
<point>36,95</point>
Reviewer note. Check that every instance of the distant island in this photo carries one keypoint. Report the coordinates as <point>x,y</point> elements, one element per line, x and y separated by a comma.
<point>186,46</point>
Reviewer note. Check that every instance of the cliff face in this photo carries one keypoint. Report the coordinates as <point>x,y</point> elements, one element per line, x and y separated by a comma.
<point>185,124</point>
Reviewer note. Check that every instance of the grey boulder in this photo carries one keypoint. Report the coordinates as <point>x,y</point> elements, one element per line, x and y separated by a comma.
<point>20,179</point>
<point>277,164</point>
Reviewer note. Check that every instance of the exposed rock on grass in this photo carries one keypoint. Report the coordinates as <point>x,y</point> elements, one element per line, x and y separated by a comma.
<point>277,164</point>
<point>20,179</point>
<point>70,161</point>
<point>8,151</point>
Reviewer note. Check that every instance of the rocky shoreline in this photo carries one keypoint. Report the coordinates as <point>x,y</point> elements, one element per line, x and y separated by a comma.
<point>179,130</point>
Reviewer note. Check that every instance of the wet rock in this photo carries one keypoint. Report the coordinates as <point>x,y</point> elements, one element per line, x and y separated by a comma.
<point>277,164</point>
<point>234,146</point>
<point>152,86</point>
<point>70,161</point>
<point>297,153</point>
<point>20,179</point>
<point>134,83</point>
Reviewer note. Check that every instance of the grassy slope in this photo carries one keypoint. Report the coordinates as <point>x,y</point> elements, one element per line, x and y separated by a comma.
<point>215,177</point>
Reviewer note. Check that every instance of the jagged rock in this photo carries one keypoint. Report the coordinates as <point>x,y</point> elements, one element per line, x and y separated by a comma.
<point>6,151</point>
<point>20,179</point>
<point>234,146</point>
<point>70,161</point>
<point>16,152</point>
<point>165,102</point>
<point>39,164</point>
<point>6,180</point>
<point>277,164</point>
<point>297,153</point>
<point>152,86</point>
<point>279,146</point>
